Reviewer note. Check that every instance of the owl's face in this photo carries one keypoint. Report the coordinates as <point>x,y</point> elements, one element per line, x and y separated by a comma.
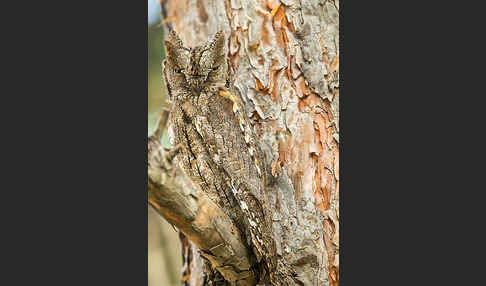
<point>192,70</point>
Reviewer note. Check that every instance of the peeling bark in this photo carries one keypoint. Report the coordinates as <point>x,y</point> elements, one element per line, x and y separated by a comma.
<point>285,63</point>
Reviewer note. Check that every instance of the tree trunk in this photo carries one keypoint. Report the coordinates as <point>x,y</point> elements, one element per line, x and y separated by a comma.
<point>284,57</point>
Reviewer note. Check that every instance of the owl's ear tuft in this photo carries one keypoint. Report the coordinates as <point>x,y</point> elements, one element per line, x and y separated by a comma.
<point>217,44</point>
<point>175,40</point>
<point>171,49</point>
<point>175,54</point>
<point>174,46</point>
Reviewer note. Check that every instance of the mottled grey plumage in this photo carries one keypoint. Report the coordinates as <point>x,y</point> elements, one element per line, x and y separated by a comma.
<point>219,151</point>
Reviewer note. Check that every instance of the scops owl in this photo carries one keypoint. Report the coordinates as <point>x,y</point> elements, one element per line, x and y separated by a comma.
<point>218,143</point>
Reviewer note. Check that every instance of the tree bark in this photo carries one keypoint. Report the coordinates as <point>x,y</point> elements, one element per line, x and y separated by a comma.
<point>285,62</point>
<point>186,207</point>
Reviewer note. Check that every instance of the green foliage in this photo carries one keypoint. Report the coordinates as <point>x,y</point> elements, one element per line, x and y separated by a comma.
<point>156,95</point>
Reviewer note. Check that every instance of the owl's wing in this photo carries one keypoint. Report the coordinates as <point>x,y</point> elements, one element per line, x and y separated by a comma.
<point>166,82</point>
<point>220,129</point>
<point>225,141</point>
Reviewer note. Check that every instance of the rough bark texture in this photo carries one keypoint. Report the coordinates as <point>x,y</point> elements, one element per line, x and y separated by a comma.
<point>186,207</point>
<point>285,60</point>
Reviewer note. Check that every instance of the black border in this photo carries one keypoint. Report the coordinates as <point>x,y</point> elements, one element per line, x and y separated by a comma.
<point>82,206</point>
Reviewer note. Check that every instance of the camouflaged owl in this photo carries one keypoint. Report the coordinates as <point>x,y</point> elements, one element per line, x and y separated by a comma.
<point>209,121</point>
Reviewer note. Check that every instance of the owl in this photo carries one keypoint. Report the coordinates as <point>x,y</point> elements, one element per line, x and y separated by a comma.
<point>218,148</point>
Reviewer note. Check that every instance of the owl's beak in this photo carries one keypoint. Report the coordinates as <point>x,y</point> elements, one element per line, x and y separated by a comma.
<point>197,82</point>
